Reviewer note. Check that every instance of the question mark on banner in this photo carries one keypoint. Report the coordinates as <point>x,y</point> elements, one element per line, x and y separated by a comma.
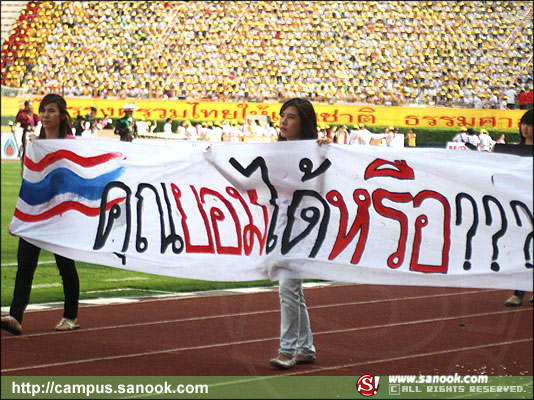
<point>495,238</point>
<point>472,231</point>
<point>514,204</point>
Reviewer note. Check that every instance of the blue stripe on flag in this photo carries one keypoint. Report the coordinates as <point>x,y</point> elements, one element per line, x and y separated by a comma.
<point>63,180</point>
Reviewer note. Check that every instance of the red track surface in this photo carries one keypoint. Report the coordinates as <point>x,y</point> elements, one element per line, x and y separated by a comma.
<point>358,329</point>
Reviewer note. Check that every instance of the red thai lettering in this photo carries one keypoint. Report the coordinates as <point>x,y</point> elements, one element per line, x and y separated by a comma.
<point>331,118</point>
<point>463,122</point>
<point>400,170</point>
<point>217,215</point>
<point>394,260</point>
<point>173,113</point>
<point>163,113</point>
<point>411,120</point>
<point>191,248</point>
<point>360,224</point>
<point>450,121</point>
<point>488,120</point>
<point>420,223</point>
<point>250,230</point>
<point>432,122</point>
<point>195,105</point>
<point>350,117</point>
<point>225,114</point>
<point>209,113</point>
<point>146,112</point>
<point>244,106</point>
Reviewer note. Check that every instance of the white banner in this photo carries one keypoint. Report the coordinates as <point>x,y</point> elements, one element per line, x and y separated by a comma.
<point>236,212</point>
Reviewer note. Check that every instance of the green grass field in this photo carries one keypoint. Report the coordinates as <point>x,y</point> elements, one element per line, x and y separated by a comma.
<point>95,280</point>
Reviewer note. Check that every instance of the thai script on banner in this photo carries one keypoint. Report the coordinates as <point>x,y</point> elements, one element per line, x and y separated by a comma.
<point>279,210</point>
<point>427,117</point>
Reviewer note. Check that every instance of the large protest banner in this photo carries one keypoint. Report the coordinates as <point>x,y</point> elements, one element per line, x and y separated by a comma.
<point>235,212</point>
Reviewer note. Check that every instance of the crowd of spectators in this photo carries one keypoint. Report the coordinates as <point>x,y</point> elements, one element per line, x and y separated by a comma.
<point>465,54</point>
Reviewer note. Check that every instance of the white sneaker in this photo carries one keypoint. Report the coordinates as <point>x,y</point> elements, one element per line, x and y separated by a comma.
<point>67,324</point>
<point>281,361</point>
<point>310,359</point>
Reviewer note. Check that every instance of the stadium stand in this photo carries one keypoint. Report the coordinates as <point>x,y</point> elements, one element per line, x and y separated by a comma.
<point>462,54</point>
<point>10,13</point>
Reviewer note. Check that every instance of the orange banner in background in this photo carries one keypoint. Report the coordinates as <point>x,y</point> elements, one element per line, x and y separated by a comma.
<point>410,117</point>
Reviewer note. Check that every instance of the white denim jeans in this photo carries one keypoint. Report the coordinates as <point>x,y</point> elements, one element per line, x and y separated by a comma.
<point>295,331</point>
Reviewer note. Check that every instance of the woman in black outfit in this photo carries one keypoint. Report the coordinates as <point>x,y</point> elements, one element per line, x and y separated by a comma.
<point>56,124</point>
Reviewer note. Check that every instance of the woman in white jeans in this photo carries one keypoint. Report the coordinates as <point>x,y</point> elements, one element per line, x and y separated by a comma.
<point>298,121</point>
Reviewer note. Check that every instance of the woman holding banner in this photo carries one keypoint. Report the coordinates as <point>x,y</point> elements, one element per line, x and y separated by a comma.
<point>526,141</point>
<point>56,124</point>
<point>298,121</point>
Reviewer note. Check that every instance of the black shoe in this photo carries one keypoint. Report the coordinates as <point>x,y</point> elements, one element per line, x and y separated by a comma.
<point>11,325</point>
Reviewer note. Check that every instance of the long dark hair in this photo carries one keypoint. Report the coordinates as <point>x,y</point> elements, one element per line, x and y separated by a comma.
<point>526,119</point>
<point>65,127</point>
<point>308,118</point>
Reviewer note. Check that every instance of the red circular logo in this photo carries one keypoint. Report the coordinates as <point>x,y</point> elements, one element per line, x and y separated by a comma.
<point>367,385</point>
<point>9,150</point>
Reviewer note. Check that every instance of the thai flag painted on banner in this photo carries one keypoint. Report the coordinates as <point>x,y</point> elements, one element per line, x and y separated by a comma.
<point>62,181</point>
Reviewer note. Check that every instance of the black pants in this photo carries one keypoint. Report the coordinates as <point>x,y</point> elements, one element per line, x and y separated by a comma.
<point>519,293</point>
<point>27,257</point>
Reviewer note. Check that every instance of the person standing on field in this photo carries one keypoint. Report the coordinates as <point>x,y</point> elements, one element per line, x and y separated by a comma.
<point>56,124</point>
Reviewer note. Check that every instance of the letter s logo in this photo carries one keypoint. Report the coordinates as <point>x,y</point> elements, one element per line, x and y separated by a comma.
<point>367,385</point>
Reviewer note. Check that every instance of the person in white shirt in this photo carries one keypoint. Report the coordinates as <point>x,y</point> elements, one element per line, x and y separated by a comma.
<point>217,132</point>
<point>142,126</point>
<point>180,131</point>
<point>362,136</point>
<point>235,133</point>
<point>486,142</point>
<point>390,137</point>
<point>354,137</point>
<point>167,127</point>
<point>510,94</point>
<point>271,132</point>
<point>226,131</point>
<point>87,132</point>
<point>461,137</point>
<point>477,103</point>
<point>472,138</point>
<point>191,132</point>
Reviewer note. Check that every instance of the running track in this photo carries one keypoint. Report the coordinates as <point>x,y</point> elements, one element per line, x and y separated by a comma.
<point>358,329</point>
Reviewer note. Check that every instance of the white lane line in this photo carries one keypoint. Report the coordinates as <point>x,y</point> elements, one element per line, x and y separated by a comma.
<point>371,362</point>
<point>123,290</point>
<point>133,278</point>
<point>46,285</point>
<point>56,305</point>
<point>429,354</point>
<point>217,345</point>
<point>208,317</point>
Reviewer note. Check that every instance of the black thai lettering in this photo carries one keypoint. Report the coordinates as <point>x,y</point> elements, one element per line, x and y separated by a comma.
<point>259,162</point>
<point>312,215</point>
<point>104,229</point>
<point>306,166</point>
